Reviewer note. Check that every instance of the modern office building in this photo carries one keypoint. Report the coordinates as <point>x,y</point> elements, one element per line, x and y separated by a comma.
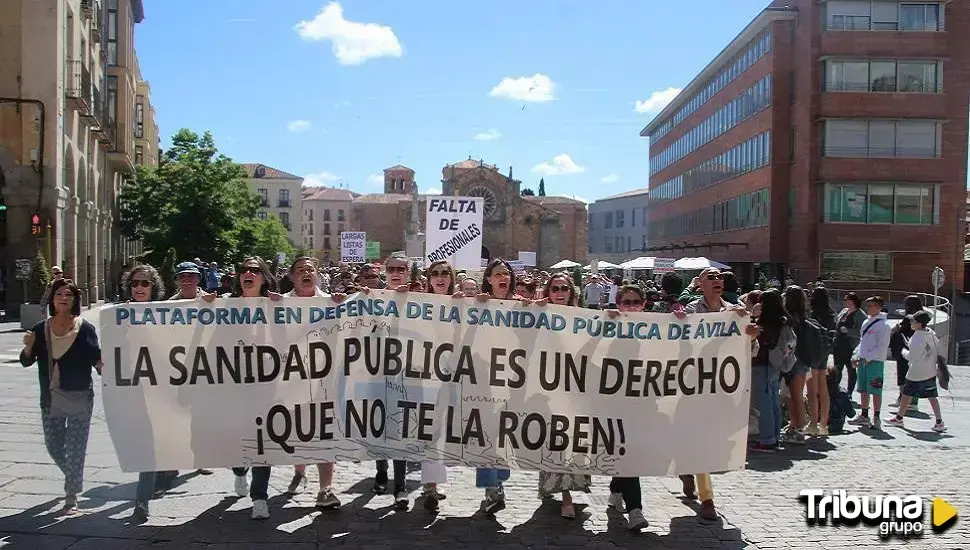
<point>828,139</point>
<point>69,79</point>
<point>618,226</point>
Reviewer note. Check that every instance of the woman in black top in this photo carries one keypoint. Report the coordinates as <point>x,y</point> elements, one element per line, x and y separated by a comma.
<point>66,350</point>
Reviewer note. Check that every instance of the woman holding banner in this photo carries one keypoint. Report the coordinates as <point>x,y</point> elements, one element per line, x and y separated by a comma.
<point>66,349</point>
<point>142,283</point>
<point>441,280</point>
<point>559,290</point>
<point>253,280</point>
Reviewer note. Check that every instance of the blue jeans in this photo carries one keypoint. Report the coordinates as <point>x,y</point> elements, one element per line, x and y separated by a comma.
<point>490,477</point>
<point>766,385</point>
<point>259,486</point>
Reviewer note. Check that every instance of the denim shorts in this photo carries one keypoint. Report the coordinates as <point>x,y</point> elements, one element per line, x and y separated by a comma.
<point>921,388</point>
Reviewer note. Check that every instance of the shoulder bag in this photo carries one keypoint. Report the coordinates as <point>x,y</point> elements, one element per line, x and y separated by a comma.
<point>64,403</point>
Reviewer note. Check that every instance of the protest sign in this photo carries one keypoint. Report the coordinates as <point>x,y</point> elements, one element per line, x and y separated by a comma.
<point>453,231</point>
<point>352,247</point>
<point>424,377</point>
<point>373,250</point>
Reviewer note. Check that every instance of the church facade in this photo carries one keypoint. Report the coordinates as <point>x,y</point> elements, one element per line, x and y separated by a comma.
<point>555,228</point>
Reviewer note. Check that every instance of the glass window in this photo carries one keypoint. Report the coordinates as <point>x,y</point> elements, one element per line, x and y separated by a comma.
<point>609,221</point>
<point>619,218</point>
<point>916,138</point>
<point>846,138</point>
<point>856,266</point>
<point>853,205</point>
<point>919,17</point>
<point>261,215</point>
<point>880,205</point>
<point>917,77</point>
<point>882,138</point>
<point>112,100</point>
<point>885,16</point>
<point>285,219</point>
<point>909,207</point>
<point>882,76</point>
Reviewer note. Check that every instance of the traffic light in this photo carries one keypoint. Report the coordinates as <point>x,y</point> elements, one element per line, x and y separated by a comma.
<point>3,202</point>
<point>35,225</point>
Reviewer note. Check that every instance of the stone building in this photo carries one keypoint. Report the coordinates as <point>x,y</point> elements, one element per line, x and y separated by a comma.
<point>553,227</point>
<point>327,211</point>
<point>281,195</point>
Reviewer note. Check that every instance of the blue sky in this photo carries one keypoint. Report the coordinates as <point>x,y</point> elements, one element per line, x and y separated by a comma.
<point>338,91</point>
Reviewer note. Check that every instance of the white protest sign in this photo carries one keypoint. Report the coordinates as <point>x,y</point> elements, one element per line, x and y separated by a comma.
<point>453,231</point>
<point>518,266</point>
<point>423,377</point>
<point>353,247</point>
<point>663,265</point>
<point>528,258</point>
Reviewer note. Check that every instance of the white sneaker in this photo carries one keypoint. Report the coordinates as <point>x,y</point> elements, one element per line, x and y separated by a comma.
<point>939,427</point>
<point>260,509</point>
<point>895,421</point>
<point>241,486</point>
<point>615,502</point>
<point>637,521</point>
<point>823,431</point>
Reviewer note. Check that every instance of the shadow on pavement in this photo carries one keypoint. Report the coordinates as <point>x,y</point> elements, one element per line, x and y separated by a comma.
<point>813,449</point>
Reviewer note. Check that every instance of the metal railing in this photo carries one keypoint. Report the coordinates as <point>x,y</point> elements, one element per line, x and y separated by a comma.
<point>284,203</point>
<point>864,23</point>
<point>77,79</point>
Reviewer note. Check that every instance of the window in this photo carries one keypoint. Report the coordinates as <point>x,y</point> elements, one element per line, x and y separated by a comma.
<point>608,244</point>
<point>284,198</point>
<point>608,221</point>
<point>311,244</point>
<point>139,155</point>
<point>918,77</point>
<point>285,220</point>
<point>856,266</point>
<point>629,246</point>
<point>112,101</point>
<point>112,32</point>
<point>326,228</point>
<point>758,48</point>
<point>326,216</point>
<point>311,228</point>
<point>633,217</point>
<point>881,203</point>
<point>140,119</point>
<point>619,244</point>
<point>882,76</point>
<point>310,215</point>
<point>263,197</point>
<point>261,215</point>
<point>919,17</point>
<point>911,138</point>
<point>340,216</point>
<point>885,16</point>
<point>742,212</point>
<point>326,243</point>
<point>619,218</point>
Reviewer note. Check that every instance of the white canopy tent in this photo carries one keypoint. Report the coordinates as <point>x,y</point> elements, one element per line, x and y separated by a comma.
<point>600,265</point>
<point>688,264</point>
<point>643,262</point>
<point>564,264</point>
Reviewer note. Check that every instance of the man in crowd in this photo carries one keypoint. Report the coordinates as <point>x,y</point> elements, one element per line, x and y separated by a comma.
<point>189,277</point>
<point>593,292</point>
<point>56,274</point>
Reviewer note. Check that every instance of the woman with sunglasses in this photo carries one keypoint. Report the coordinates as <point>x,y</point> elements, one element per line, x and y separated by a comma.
<point>440,280</point>
<point>625,491</point>
<point>66,349</point>
<point>142,283</point>
<point>253,280</point>
<point>559,290</point>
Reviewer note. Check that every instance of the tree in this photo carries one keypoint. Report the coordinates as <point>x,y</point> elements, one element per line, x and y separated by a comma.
<point>263,238</point>
<point>578,278</point>
<point>542,187</point>
<point>195,201</point>
<point>528,192</point>
<point>167,268</point>
<point>40,279</point>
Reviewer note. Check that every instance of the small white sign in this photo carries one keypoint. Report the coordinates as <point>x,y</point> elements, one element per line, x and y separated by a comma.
<point>528,258</point>
<point>663,265</point>
<point>453,231</point>
<point>938,277</point>
<point>518,266</point>
<point>353,247</point>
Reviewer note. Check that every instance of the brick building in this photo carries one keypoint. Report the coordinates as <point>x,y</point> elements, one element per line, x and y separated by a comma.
<point>553,227</point>
<point>828,139</point>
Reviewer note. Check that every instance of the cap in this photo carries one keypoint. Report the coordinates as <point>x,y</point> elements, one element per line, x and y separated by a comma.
<point>187,267</point>
<point>920,317</point>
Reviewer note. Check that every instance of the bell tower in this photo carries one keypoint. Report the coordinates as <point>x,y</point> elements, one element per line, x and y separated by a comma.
<point>399,180</point>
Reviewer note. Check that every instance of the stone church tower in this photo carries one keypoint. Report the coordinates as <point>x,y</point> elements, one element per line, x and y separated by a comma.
<point>399,180</point>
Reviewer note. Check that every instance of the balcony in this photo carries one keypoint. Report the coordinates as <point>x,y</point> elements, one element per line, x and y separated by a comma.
<point>96,22</point>
<point>119,150</point>
<point>284,203</point>
<point>77,88</point>
<point>263,202</point>
<point>87,8</point>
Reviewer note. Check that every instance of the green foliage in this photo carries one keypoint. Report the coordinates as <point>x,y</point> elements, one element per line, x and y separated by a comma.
<point>40,279</point>
<point>542,187</point>
<point>578,277</point>
<point>166,269</point>
<point>263,238</point>
<point>528,192</point>
<point>196,201</point>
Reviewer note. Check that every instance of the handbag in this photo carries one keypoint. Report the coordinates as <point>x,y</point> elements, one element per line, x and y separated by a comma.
<point>64,403</point>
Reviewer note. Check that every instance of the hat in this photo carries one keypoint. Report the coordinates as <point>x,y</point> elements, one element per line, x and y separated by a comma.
<point>187,267</point>
<point>921,317</point>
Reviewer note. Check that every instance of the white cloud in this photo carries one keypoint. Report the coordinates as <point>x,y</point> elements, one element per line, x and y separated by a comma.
<point>432,191</point>
<point>298,126</point>
<point>489,135</point>
<point>353,42</point>
<point>537,87</point>
<point>657,101</point>
<point>561,165</point>
<point>610,178</point>
<point>319,179</point>
<point>375,179</point>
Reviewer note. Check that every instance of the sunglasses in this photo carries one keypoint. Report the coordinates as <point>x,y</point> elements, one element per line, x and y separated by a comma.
<point>140,283</point>
<point>440,274</point>
<point>714,276</point>
<point>631,303</point>
<point>396,269</point>
<point>255,270</point>
<point>557,288</point>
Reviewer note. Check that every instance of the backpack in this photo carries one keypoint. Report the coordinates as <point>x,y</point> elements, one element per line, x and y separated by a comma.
<point>942,373</point>
<point>782,356</point>
<point>813,344</point>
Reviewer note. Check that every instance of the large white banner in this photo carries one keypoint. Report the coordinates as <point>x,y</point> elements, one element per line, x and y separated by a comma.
<point>423,377</point>
<point>453,231</point>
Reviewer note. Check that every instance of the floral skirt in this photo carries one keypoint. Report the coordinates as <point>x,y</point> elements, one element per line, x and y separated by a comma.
<point>554,483</point>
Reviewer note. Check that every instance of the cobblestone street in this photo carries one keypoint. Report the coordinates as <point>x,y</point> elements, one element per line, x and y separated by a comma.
<point>759,506</point>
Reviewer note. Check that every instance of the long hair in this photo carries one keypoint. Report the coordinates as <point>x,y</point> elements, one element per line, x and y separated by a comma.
<point>820,305</point>
<point>573,299</point>
<point>773,316</point>
<point>795,302</point>
<point>451,275</point>
<point>269,280</point>
<point>158,287</point>
<point>487,286</point>
<point>75,292</point>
